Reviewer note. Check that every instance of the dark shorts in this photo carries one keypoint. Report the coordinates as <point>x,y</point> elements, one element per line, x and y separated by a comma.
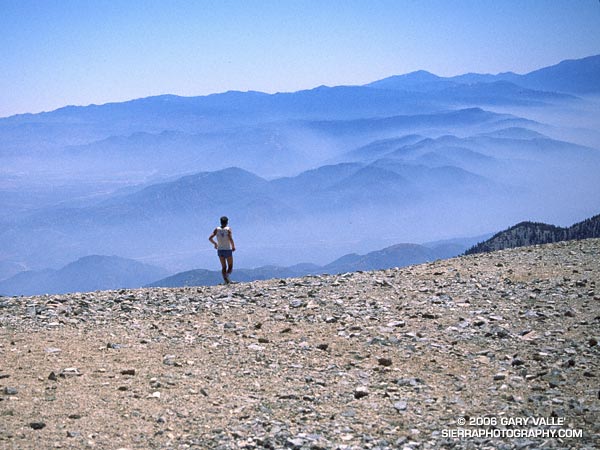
<point>225,253</point>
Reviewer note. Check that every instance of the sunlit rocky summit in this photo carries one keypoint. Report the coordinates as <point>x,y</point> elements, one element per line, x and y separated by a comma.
<point>366,360</point>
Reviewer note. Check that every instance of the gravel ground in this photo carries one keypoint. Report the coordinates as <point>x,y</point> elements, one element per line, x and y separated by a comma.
<point>505,342</point>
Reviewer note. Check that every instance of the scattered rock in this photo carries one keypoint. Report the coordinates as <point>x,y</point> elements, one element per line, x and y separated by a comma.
<point>360,392</point>
<point>10,391</point>
<point>70,372</point>
<point>276,365</point>
<point>385,362</point>
<point>400,406</point>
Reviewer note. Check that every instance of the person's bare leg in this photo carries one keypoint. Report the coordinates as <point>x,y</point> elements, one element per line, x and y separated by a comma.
<point>224,268</point>
<point>230,268</point>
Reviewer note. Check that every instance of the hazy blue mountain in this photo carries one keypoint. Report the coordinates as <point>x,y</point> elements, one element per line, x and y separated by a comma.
<point>395,256</point>
<point>474,78</point>
<point>535,233</point>
<point>375,150</point>
<point>445,179</point>
<point>314,180</point>
<point>9,269</point>
<point>399,255</point>
<point>580,76</point>
<point>487,174</point>
<point>498,93</point>
<point>304,176</point>
<point>467,119</point>
<point>515,133</point>
<point>419,81</point>
<point>201,277</point>
<point>77,125</point>
<point>508,144</point>
<point>89,273</point>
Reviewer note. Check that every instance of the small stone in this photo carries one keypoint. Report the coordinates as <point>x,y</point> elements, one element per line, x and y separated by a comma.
<point>593,342</point>
<point>169,360</point>
<point>385,362</point>
<point>52,376</point>
<point>37,425</point>
<point>256,347</point>
<point>113,346</point>
<point>360,392</point>
<point>73,434</point>
<point>349,413</point>
<point>154,395</point>
<point>323,346</point>
<point>70,372</point>
<point>123,388</point>
<point>128,372</point>
<point>10,391</point>
<point>400,406</point>
<point>295,443</point>
<point>499,376</point>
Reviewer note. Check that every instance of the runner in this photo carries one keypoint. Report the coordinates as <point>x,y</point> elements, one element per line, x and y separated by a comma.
<point>225,247</point>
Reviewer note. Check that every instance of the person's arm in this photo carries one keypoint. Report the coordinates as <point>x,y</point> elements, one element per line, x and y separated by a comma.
<point>210,238</point>
<point>231,240</point>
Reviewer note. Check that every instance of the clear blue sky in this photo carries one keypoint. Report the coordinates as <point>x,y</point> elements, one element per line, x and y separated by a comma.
<point>62,52</point>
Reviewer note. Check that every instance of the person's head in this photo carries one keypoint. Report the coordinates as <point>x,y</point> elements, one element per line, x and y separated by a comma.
<point>224,221</point>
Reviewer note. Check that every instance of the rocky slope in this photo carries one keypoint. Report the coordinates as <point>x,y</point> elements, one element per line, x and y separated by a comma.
<point>367,360</point>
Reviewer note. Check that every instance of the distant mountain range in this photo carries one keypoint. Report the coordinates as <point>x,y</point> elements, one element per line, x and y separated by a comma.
<point>572,76</point>
<point>87,274</point>
<point>93,273</point>
<point>533,233</point>
<point>399,255</point>
<point>304,176</point>
<point>102,272</point>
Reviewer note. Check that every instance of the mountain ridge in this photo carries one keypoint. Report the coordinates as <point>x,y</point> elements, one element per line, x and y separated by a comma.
<point>89,273</point>
<point>537,233</point>
<point>111,179</point>
<point>398,255</point>
<point>589,64</point>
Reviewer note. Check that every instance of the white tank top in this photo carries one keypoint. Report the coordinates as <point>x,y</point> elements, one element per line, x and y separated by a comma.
<point>223,242</point>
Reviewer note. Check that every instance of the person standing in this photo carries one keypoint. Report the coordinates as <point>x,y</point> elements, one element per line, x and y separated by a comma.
<point>225,247</point>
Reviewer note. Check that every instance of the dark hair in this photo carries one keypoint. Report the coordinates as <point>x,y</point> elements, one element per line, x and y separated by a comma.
<point>224,221</point>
